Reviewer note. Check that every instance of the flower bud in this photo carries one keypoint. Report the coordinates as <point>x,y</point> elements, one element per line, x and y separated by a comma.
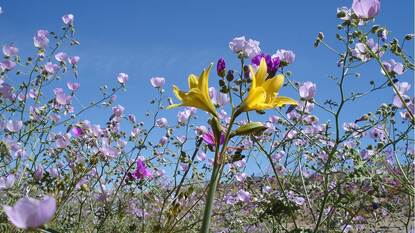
<point>221,67</point>
<point>229,76</point>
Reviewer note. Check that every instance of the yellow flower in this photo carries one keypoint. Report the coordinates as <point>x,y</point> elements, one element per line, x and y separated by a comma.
<point>198,95</point>
<point>264,92</point>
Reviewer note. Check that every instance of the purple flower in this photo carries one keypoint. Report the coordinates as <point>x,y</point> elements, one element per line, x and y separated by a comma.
<point>392,67</point>
<point>285,56</point>
<point>61,56</point>
<point>244,196</point>
<point>141,171</point>
<point>73,86</point>
<point>40,40</point>
<point>14,126</point>
<point>118,110</point>
<point>377,133</point>
<point>122,78</point>
<point>366,9</point>
<point>7,65</point>
<point>10,50</point>
<point>209,138</point>
<point>161,122</point>
<point>30,213</point>
<point>307,90</point>
<point>220,67</point>
<point>272,62</point>
<point>157,82</point>
<point>361,52</point>
<point>68,19</point>
<point>73,60</point>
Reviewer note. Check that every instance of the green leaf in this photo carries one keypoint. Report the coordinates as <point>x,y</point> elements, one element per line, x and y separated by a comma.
<point>254,128</point>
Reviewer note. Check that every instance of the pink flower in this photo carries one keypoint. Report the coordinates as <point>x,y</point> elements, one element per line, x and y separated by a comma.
<point>61,56</point>
<point>244,196</point>
<point>30,213</point>
<point>7,182</point>
<point>201,130</point>
<point>14,126</point>
<point>40,40</point>
<point>218,98</point>
<point>118,110</point>
<point>201,155</point>
<point>109,151</point>
<point>161,122</point>
<point>7,65</point>
<point>393,67</point>
<point>141,171</point>
<point>122,78</point>
<point>366,9</point>
<point>73,86</point>
<point>61,98</point>
<point>73,60</point>
<point>163,141</point>
<point>307,90</point>
<point>245,48</point>
<point>38,174</point>
<point>51,68</point>
<point>10,50</point>
<point>286,56</point>
<point>68,19</point>
<point>157,82</point>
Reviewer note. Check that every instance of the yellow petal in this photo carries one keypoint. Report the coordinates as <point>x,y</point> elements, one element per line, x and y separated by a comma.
<point>193,82</point>
<point>256,98</point>
<point>273,85</point>
<point>282,100</point>
<point>261,74</point>
<point>177,92</point>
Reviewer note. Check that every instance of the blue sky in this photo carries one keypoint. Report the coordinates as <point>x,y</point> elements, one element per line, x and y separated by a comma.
<point>175,38</point>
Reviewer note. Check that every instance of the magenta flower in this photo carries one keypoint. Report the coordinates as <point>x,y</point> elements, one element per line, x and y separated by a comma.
<point>209,138</point>
<point>77,131</point>
<point>122,78</point>
<point>141,171</point>
<point>366,9</point>
<point>220,67</point>
<point>10,50</point>
<point>30,213</point>
<point>307,90</point>
<point>41,40</point>
<point>68,19</point>
<point>157,82</point>
<point>272,62</point>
